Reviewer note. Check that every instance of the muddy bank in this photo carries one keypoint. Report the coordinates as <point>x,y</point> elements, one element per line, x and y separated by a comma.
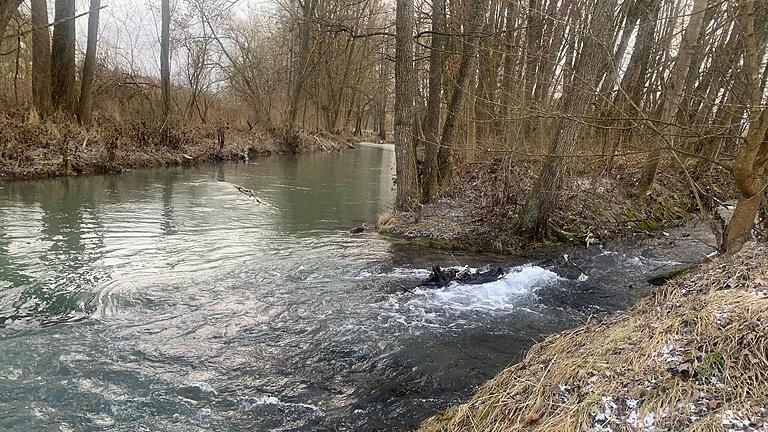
<point>477,212</point>
<point>48,149</point>
<point>692,356</point>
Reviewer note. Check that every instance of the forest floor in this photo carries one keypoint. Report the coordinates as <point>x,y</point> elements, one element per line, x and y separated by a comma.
<point>58,148</point>
<point>693,356</point>
<point>477,212</point>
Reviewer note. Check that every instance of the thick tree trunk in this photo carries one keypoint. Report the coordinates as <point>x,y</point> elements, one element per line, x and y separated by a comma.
<point>739,228</point>
<point>749,168</point>
<point>41,58</point>
<point>533,220</point>
<point>63,56</point>
<point>673,94</point>
<point>432,121</point>
<point>456,104</point>
<point>405,84</point>
<point>89,65</point>
<point>165,56</point>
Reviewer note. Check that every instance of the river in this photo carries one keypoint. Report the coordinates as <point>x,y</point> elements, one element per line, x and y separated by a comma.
<point>165,299</point>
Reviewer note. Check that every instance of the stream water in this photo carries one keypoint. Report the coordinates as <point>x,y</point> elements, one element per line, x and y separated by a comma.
<point>165,299</point>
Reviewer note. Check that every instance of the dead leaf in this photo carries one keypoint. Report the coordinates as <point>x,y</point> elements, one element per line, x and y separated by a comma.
<point>532,418</point>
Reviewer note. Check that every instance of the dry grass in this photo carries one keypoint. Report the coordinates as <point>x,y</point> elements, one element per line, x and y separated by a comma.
<point>478,210</point>
<point>692,357</point>
<point>33,148</point>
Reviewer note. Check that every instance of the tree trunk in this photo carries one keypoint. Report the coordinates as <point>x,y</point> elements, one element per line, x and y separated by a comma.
<point>405,84</point>
<point>165,57</point>
<point>673,94</point>
<point>455,106</point>
<point>739,228</point>
<point>749,168</point>
<point>629,97</point>
<point>89,65</point>
<point>41,58</point>
<point>303,62</point>
<point>533,33</point>
<point>7,8</point>
<point>432,121</point>
<point>63,56</point>
<point>542,199</point>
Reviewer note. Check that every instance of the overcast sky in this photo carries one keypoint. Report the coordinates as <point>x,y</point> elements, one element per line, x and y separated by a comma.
<point>129,29</point>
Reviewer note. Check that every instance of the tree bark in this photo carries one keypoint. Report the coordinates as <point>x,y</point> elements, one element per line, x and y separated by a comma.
<point>7,8</point>
<point>63,56</point>
<point>41,58</point>
<point>749,168</point>
<point>89,65</point>
<point>455,106</point>
<point>303,61</point>
<point>405,84</point>
<point>432,121</point>
<point>542,199</point>
<point>673,94</point>
<point>165,56</point>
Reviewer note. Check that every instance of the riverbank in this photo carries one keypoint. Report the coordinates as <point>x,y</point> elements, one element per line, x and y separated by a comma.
<point>477,211</point>
<point>693,356</point>
<point>39,149</point>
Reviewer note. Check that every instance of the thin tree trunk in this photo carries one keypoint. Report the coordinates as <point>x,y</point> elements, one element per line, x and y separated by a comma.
<point>542,199</point>
<point>533,33</point>
<point>63,56</point>
<point>89,64</point>
<point>673,94</point>
<point>303,63</point>
<point>432,121</point>
<point>455,106</point>
<point>405,85</point>
<point>165,57</point>
<point>41,58</point>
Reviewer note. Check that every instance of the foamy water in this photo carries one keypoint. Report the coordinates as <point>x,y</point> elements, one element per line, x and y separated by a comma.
<point>445,307</point>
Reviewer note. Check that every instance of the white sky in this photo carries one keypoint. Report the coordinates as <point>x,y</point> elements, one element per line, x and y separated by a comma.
<point>129,29</point>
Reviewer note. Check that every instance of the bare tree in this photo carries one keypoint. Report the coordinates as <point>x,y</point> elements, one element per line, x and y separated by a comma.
<point>89,65</point>
<point>405,152</point>
<point>476,12</point>
<point>749,168</point>
<point>542,198</point>
<point>7,8</point>
<point>63,56</point>
<point>41,58</point>
<point>165,56</point>
<point>434,101</point>
<point>673,93</point>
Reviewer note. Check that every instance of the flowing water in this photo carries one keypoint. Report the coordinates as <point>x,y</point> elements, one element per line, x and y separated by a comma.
<point>165,299</point>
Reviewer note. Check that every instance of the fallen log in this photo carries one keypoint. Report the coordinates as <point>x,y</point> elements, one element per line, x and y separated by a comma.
<point>441,278</point>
